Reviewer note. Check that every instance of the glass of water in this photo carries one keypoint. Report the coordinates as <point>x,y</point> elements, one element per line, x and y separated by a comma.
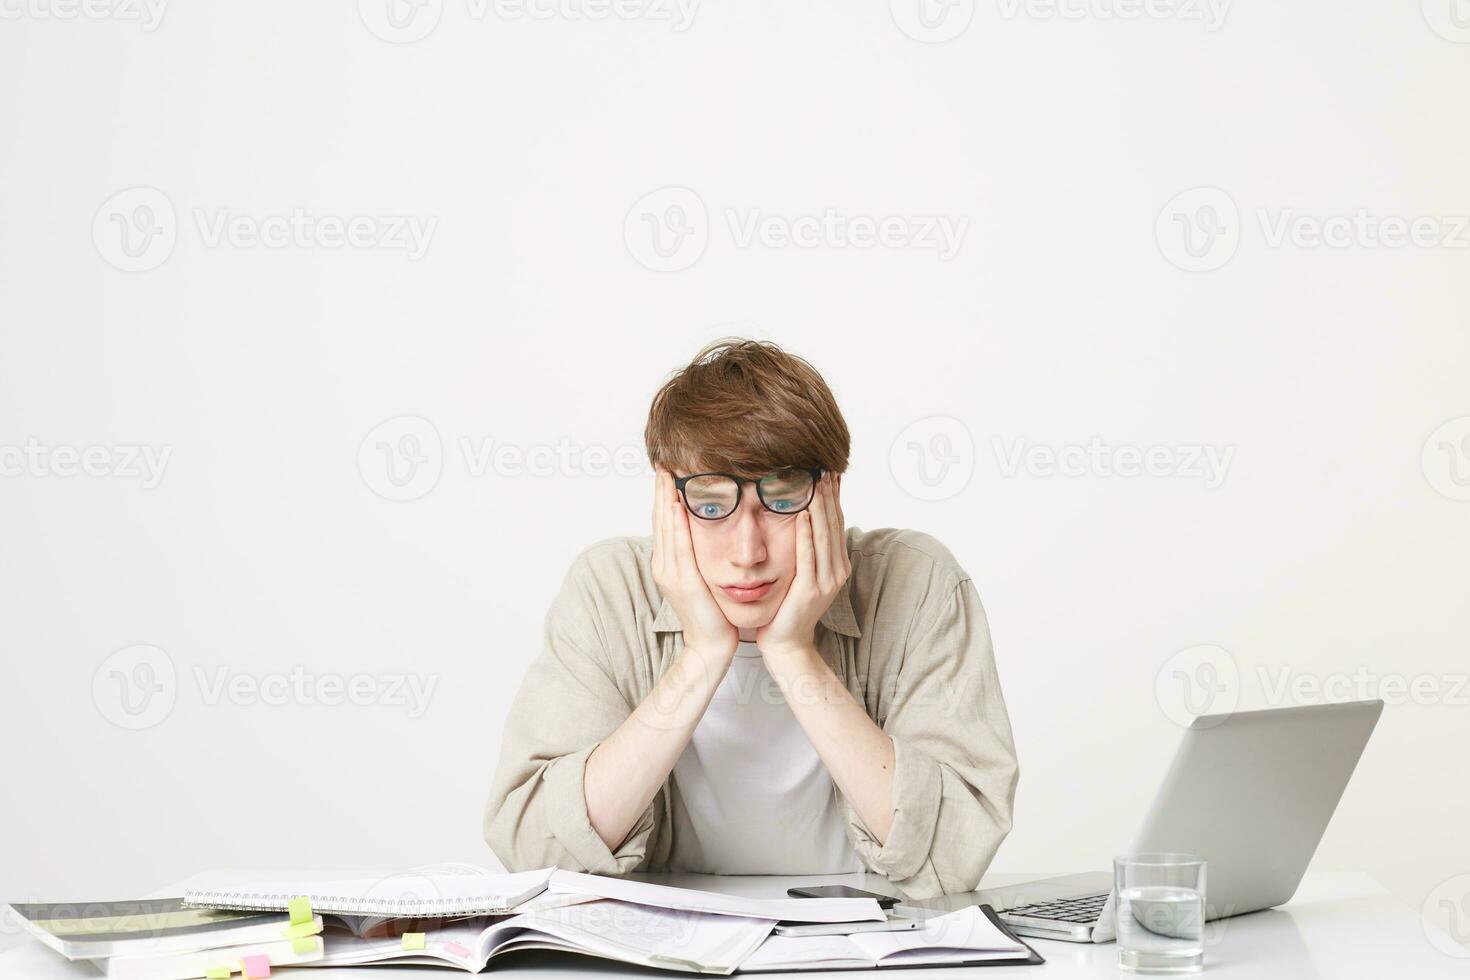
<point>1159,902</point>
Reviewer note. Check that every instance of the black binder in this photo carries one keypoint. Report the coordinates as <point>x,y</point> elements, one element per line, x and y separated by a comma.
<point>1035,959</point>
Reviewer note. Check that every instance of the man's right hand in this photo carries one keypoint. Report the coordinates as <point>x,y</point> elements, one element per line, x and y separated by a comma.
<point>706,630</point>
<point>625,771</point>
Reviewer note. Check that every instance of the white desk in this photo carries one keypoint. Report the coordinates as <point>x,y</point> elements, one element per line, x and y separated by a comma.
<point>1338,925</point>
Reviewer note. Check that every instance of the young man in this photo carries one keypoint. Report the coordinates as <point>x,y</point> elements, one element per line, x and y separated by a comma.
<point>756,688</point>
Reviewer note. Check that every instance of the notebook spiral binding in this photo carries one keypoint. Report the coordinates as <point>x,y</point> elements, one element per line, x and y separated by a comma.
<point>347,905</point>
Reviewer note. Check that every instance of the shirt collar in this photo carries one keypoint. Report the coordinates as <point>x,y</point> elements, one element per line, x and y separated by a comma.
<point>838,618</point>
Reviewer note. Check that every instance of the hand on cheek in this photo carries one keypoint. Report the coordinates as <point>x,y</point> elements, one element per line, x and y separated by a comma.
<point>822,567</point>
<point>676,571</point>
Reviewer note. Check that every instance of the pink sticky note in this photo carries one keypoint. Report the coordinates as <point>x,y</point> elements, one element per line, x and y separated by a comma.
<point>456,949</point>
<point>255,966</point>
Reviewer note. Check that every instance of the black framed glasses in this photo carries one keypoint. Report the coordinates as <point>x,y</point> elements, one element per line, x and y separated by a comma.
<point>715,496</point>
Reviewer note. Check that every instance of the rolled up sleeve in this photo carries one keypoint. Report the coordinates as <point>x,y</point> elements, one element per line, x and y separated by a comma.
<point>955,769</point>
<point>567,704</point>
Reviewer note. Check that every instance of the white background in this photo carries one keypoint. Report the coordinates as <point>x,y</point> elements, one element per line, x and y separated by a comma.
<point>1334,549</point>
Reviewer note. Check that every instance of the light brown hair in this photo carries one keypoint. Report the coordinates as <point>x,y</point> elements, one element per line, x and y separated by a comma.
<point>745,407</point>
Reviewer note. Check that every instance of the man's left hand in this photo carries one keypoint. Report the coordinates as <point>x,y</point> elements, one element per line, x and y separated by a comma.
<point>822,567</point>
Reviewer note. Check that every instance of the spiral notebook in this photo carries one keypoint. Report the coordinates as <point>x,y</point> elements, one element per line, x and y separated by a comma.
<point>456,890</point>
<point>435,891</point>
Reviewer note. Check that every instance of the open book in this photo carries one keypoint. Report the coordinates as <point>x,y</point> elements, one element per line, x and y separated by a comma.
<point>681,940</point>
<point>671,939</point>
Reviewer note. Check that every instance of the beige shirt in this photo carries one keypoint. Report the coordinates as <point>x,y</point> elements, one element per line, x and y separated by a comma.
<point>906,635</point>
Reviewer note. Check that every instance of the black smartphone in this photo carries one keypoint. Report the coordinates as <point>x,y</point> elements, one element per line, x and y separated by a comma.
<point>841,891</point>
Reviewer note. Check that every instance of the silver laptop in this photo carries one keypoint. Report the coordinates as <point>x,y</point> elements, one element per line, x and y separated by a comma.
<point>1251,792</point>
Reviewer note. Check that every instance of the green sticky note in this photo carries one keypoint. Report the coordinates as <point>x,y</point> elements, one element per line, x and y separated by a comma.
<point>300,909</point>
<point>308,928</point>
<point>303,944</point>
<point>218,973</point>
<point>413,940</point>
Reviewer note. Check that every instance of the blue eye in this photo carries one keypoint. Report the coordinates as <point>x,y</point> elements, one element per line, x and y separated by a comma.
<point>781,506</point>
<point>709,511</point>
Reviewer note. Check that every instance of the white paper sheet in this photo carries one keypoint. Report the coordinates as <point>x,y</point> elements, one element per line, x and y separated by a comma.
<point>693,900</point>
<point>656,936</point>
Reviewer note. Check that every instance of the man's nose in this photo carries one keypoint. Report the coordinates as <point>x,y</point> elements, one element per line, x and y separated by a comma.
<point>748,544</point>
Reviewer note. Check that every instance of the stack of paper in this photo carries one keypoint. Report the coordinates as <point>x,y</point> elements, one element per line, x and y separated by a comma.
<point>464,916</point>
<point>672,939</point>
<point>161,939</point>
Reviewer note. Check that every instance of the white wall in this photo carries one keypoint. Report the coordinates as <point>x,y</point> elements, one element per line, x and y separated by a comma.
<point>1327,550</point>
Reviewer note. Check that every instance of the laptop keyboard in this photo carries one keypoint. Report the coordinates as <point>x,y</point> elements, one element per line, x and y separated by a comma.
<point>1080,910</point>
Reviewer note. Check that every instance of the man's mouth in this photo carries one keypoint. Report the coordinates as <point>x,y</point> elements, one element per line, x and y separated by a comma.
<point>748,593</point>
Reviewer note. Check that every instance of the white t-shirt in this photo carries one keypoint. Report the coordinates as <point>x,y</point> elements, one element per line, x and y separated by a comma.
<point>751,795</point>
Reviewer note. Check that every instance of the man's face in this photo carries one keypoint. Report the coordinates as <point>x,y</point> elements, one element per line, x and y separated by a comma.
<point>751,547</point>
